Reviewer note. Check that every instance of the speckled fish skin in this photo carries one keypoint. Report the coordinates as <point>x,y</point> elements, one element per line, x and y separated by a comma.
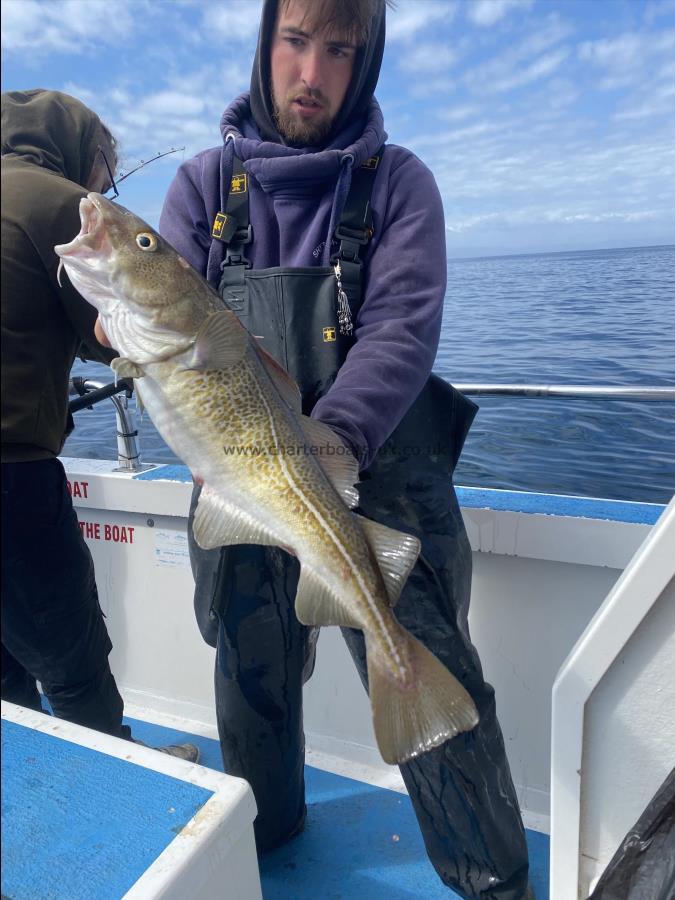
<point>233,416</point>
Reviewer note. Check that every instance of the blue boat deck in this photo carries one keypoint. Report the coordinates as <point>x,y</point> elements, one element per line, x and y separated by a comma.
<point>360,842</point>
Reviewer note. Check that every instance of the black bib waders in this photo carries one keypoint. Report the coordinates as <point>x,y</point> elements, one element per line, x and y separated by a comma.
<point>462,791</point>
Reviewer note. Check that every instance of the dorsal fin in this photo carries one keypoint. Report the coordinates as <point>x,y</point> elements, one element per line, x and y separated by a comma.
<point>336,460</point>
<point>396,554</point>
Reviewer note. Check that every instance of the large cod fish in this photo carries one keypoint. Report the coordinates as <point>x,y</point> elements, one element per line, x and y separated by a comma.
<point>269,475</point>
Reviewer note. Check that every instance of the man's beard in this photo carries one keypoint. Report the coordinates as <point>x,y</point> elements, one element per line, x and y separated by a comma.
<point>296,131</point>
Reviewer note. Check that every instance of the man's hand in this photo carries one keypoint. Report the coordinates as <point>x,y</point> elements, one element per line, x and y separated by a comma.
<point>100,334</point>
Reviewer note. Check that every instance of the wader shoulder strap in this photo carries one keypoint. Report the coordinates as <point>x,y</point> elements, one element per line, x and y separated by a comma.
<point>355,228</point>
<point>233,226</point>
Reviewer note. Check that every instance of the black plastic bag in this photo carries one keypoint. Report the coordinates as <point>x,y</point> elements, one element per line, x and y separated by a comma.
<point>643,868</point>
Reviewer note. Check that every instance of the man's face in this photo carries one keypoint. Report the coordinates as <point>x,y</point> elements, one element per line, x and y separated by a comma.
<point>310,76</point>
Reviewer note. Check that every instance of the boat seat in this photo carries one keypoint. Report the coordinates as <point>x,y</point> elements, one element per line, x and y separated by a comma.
<point>88,815</point>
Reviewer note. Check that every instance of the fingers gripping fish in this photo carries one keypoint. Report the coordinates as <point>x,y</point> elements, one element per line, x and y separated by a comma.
<point>270,475</point>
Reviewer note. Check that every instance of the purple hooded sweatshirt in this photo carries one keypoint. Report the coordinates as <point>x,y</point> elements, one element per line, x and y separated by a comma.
<point>296,196</point>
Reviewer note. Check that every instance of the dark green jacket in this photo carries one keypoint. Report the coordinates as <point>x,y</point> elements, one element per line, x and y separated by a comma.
<point>49,143</point>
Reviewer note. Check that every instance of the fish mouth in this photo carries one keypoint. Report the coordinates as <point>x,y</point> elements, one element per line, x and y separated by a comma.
<point>90,216</point>
<point>92,239</point>
<point>91,249</point>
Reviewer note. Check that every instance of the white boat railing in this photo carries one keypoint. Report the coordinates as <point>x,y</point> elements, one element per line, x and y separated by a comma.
<point>86,393</point>
<point>580,391</point>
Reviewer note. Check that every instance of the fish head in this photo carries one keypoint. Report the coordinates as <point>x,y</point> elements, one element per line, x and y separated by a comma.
<point>151,302</point>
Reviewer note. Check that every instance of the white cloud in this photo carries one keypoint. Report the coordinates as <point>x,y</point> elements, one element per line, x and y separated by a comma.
<point>445,138</point>
<point>68,26</point>
<point>457,113</point>
<point>657,8</point>
<point>505,73</point>
<point>620,216</point>
<point>559,94</point>
<point>549,32</point>
<point>84,94</point>
<point>625,60</point>
<point>458,226</point>
<point>120,97</point>
<point>510,121</point>
<point>488,12</point>
<point>517,171</point>
<point>412,16</point>
<point>432,86</point>
<point>82,27</point>
<point>231,20</point>
<point>427,57</point>
<point>639,67</point>
<point>183,110</point>
<point>172,103</point>
<point>533,58</point>
<point>533,215</point>
<point>667,70</point>
<point>609,53</point>
<point>657,101</point>
<point>540,68</point>
<point>222,80</point>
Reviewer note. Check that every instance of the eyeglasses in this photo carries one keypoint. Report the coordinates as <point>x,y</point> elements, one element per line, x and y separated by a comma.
<point>113,186</point>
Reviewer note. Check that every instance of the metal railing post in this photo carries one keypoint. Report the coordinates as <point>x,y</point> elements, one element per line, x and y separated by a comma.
<point>88,392</point>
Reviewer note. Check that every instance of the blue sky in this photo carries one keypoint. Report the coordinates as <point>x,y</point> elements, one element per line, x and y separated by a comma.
<point>549,124</point>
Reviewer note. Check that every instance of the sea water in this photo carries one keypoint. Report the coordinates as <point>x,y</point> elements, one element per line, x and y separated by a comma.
<point>603,317</point>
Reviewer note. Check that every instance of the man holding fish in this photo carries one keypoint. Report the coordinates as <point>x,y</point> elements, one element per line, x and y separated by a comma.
<point>328,245</point>
<point>54,150</point>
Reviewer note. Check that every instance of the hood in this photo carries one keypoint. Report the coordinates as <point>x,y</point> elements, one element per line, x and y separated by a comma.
<point>359,94</point>
<point>276,165</point>
<point>291,172</point>
<point>51,130</point>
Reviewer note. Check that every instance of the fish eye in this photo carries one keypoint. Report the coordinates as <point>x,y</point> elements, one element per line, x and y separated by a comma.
<point>146,241</point>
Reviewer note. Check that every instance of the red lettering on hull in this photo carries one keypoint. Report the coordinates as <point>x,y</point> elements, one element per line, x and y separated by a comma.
<point>119,534</point>
<point>78,489</point>
<point>116,534</point>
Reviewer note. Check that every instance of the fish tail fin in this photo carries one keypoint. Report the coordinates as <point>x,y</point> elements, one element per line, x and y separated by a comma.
<point>425,711</point>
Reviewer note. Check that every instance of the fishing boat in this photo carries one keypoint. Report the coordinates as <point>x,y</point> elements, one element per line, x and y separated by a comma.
<point>573,613</point>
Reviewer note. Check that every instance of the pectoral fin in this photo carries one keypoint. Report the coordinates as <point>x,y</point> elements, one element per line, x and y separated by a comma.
<point>126,368</point>
<point>396,554</point>
<point>221,342</point>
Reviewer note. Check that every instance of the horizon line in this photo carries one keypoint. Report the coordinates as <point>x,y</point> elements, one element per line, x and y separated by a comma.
<point>561,252</point>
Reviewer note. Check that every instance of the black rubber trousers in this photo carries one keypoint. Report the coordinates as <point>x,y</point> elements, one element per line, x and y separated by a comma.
<point>53,629</point>
<point>462,792</point>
